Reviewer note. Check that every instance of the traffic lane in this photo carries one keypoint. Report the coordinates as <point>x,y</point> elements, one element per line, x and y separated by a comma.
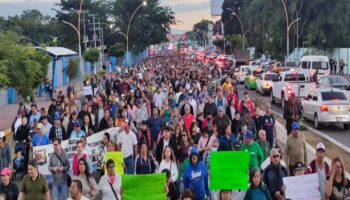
<point>334,131</point>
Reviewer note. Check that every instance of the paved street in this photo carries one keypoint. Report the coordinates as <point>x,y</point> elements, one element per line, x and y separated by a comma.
<point>333,131</point>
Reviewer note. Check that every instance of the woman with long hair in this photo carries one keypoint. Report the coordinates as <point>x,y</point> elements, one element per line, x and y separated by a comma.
<point>337,186</point>
<point>88,182</point>
<point>194,133</point>
<point>257,190</point>
<point>176,136</point>
<point>185,143</point>
<point>169,162</point>
<point>77,156</point>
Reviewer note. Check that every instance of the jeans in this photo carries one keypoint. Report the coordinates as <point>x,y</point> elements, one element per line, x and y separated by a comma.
<point>129,165</point>
<point>60,190</point>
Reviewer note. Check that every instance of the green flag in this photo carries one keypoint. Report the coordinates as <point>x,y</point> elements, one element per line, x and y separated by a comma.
<point>145,187</point>
<point>229,170</point>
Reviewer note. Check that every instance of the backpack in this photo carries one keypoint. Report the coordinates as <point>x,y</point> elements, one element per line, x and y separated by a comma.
<point>314,168</point>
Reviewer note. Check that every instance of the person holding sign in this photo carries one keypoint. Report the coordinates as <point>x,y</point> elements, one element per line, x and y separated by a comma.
<point>110,183</point>
<point>257,190</point>
<point>196,177</point>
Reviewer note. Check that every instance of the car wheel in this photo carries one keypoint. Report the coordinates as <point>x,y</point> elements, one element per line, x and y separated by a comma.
<point>272,100</point>
<point>346,126</point>
<point>316,122</point>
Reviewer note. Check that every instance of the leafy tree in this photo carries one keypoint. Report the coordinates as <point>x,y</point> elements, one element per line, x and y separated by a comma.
<point>117,50</point>
<point>92,55</point>
<point>73,68</point>
<point>22,66</point>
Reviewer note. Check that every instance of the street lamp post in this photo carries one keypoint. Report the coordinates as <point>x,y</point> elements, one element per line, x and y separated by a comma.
<point>144,3</point>
<point>233,13</point>
<point>288,25</point>
<point>78,33</point>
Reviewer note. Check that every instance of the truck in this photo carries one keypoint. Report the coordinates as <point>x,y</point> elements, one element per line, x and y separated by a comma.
<point>287,83</point>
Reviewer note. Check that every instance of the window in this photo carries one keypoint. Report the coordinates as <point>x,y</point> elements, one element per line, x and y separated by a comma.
<point>304,65</point>
<point>338,81</point>
<point>320,65</point>
<point>269,77</point>
<point>294,77</point>
<point>333,95</point>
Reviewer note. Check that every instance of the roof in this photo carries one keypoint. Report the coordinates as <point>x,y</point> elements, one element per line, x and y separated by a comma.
<point>58,51</point>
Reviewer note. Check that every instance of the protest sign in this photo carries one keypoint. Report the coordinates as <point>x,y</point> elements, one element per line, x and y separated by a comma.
<point>87,90</point>
<point>229,170</point>
<point>117,157</point>
<point>145,187</point>
<point>302,187</point>
<point>42,153</point>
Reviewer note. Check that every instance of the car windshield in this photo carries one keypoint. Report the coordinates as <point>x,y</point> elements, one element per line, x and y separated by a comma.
<point>294,77</point>
<point>320,65</point>
<point>331,95</point>
<point>269,77</point>
<point>338,81</point>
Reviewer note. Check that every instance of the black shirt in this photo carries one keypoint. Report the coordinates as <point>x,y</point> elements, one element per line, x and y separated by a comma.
<point>10,191</point>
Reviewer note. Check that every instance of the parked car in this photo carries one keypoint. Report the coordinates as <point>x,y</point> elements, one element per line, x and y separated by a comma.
<point>327,105</point>
<point>264,83</point>
<point>287,83</point>
<point>252,76</point>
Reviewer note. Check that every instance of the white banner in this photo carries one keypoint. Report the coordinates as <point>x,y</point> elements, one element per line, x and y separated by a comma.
<point>43,153</point>
<point>302,187</point>
<point>87,90</point>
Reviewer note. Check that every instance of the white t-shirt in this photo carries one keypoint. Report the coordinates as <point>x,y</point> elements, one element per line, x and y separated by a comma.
<point>105,188</point>
<point>170,166</point>
<point>127,141</point>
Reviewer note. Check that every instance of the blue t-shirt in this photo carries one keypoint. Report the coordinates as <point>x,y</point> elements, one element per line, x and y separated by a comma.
<point>38,141</point>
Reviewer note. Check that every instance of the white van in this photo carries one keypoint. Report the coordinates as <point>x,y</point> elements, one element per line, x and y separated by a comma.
<point>309,65</point>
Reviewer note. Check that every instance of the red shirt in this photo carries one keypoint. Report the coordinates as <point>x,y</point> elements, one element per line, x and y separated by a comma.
<point>188,119</point>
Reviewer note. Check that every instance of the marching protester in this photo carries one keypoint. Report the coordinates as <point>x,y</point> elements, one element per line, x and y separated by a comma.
<point>110,183</point>
<point>337,186</point>
<point>8,189</point>
<point>257,189</point>
<point>88,182</point>
<point>76,191</point>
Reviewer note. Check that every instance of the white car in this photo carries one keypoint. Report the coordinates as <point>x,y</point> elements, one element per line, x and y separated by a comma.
<point>243,72</point>
<point>327,105</point>
<point>264,83</point>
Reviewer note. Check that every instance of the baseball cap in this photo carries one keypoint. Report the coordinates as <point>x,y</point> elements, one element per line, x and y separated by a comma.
<point>5,172</point>
<point>221,109</point>
<point>125,125</point>
<point>295,125</point>
<point>299,165</point>
<point>249,134</point>
<point>56,116</point>
<point>76,124</point>
<point>320,146</point>
<point>40,126</point>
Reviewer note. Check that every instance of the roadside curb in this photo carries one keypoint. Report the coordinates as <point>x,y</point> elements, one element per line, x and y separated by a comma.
<point>319,133</point>
<point>311,151</point>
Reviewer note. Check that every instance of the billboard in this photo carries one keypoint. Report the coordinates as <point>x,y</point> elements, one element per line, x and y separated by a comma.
<point>215,7</point>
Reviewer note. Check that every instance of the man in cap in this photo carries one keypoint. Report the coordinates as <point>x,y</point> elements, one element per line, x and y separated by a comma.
<point>57,130</point>
<point>295,148</point>
<point>221,120</point>
<point>77,133</point>
<point>127,143</point>
<point>40,138</point>
<point>319,166</point>
<point>7,188</point>
<point>256,154</point>
<point>299,169</point>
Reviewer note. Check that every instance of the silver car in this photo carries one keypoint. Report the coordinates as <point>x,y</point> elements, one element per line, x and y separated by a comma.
<point>327,106</point>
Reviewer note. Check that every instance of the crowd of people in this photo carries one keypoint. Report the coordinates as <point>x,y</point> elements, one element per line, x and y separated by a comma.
<point>173,114</point>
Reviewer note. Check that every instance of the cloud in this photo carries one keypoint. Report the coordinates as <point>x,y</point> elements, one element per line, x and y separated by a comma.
<point>16,7</point>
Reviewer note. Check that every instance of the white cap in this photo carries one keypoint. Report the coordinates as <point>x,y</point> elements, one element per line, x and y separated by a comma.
<point>320,146</point>
<point>2,134</point>
<point>40,126</point>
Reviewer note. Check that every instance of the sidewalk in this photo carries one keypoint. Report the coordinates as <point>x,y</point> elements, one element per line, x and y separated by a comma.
<point>8,112</point>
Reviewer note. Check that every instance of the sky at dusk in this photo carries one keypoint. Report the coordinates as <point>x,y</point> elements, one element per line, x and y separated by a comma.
<point>187,12</point>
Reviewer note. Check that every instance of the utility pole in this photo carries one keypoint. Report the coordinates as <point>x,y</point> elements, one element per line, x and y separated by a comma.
<point>94,28</point>
<point>85,38</point>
